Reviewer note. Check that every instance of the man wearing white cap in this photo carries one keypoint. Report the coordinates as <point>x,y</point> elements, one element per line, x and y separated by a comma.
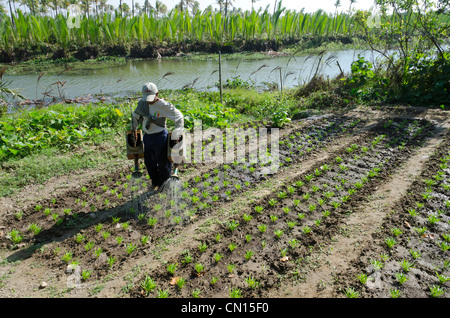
<point>152,112</point>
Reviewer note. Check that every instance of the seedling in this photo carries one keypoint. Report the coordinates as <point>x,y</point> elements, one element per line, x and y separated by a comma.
<point>98,227</point>
<point>105,234</point>
<point>152,221</point>
<point>282,195</point>
<point>299,184</point>
<point>111,260</point>
<point>396,231</point>
<point>442,278</point>
<point>231,268</point>
<point>446,237</point>
<point>248,255</point>
<point>412,212</point>
<point>262,228</point>
<point>171,268</point>
<point>79,238</point>
<point>432,219</point>
<point>89,245</point>
<point>213,280</point>
<point>235,293</point>
<point>251,282</point>
<point>401,278</point>
<point>406,265</point>
<point>232,247</point>
<point>335,204</point>
<point>130,248</point>
<point>18,215</point>
<point>291,224</point>
<point>98,251</point>
<point>415,254</point>
<point>148,285</point>
<point>390,242</point>
<point>119,240</point>
<point>444,246</point>
<point>436,291</point>
<point>199,268</point>
<point>377,265</point>
<point>258,209</point>
<point>273,218</point>
<point>395,293</point>
<point>294,243</point>
<point>115,220</point>
<point>232,225</point>
<point>67,256</point>
<point>278,233</point>
<point>218,257</point>
<point>363,278</point>
<point>272,202</point>
<point>202,247</point>
<point>36,229</point>
<point>351,293</point>
<point>422,230</point>
<point>306,229</point>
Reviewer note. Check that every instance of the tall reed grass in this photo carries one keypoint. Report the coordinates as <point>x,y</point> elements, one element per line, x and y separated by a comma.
<point>176,27</point>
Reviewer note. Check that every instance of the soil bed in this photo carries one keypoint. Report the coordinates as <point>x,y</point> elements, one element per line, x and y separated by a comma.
<point>192,243</point>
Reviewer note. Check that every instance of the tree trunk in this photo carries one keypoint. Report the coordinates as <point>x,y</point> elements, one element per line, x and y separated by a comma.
<point>11,13</point>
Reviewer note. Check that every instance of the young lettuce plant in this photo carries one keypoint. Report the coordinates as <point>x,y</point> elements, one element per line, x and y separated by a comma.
<point>148,285</point>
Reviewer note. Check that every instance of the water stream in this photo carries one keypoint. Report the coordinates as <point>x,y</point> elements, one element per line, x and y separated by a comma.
<point>200,74</point>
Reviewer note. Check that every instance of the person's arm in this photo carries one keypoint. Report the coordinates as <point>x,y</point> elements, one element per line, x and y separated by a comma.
<point>137,116</point>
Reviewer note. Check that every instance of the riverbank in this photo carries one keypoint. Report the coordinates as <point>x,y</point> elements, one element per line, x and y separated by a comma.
<point>76,60</point>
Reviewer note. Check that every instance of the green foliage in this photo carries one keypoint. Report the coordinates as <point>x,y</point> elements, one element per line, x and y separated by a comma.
<point>58,126</point>
<point>237,82</point>
<point>416,71</point>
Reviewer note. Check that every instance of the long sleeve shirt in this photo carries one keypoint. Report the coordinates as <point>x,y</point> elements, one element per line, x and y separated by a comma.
<point>153,117</point>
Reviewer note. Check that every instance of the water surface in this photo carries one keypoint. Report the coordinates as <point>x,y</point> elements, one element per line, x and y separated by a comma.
<point>199,74</point>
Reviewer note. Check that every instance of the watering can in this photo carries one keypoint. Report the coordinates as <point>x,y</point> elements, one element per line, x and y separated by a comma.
<point>135,149</point>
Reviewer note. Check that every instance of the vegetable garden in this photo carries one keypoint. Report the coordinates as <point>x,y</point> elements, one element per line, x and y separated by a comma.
<point>239,230</point>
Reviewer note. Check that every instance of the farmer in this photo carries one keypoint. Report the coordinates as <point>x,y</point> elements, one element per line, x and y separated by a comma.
<point>152,112</point>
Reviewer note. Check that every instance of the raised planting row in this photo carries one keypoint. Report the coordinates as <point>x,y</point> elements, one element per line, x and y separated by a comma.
<point>93,215</point>
<point>410,256</point>
<point>201,194</point>
<point>254,249</point>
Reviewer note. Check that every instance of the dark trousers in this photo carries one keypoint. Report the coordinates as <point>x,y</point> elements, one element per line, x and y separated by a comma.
<point>155,157</point>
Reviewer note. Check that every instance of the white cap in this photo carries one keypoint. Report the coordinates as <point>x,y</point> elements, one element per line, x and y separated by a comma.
<point>149,91</point>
